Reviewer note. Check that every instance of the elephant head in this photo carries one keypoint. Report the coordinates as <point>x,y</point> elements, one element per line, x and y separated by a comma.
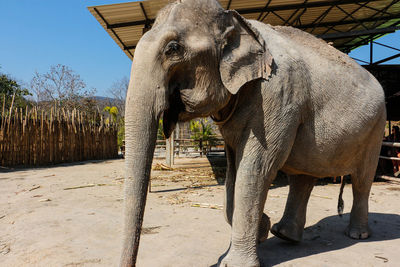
<point>190,64</point>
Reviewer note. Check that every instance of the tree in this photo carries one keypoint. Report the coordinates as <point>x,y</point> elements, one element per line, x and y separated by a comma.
<point>9,89</point>
<point>113,112</point>
<point>61,85</point>
<point>160,130</point>
<point>119,120</point>
<point>118,91</point>
<point>202,129</point>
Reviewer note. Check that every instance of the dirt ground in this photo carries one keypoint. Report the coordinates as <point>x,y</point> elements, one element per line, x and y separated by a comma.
<point>71,215</point>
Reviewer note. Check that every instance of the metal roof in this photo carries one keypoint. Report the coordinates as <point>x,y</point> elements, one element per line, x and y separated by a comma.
<point>348,24</point>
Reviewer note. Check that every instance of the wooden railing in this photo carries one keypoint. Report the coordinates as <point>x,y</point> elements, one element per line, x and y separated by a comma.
<point>390,144</point>
<point>189,146</point>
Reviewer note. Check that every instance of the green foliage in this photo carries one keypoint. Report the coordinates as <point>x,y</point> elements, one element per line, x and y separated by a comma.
<point>160,130</point>
<point>202,129</point>
<point>117,119</point>
<point>113,112</point>
<point>8,88</point>
<point>121,132</point>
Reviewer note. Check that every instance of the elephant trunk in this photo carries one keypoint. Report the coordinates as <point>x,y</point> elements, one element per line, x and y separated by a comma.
<point>141,122</point>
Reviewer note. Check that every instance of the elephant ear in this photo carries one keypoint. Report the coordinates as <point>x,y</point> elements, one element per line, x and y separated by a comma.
<point>244,55</point>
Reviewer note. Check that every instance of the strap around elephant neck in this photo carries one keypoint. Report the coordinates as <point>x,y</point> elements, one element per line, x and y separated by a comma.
<point>234,98</point>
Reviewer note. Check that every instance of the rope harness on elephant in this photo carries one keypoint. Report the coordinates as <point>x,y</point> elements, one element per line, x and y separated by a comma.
<point>223,121</point>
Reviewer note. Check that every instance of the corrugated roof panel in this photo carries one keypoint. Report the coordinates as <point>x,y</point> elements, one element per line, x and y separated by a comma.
<point>131,14</point>
<point>152,7</point>
<point>237,4</point>
<point>311,14</point>
<point>252,16</point>
<point>224,3</point>
<point>129,34</point>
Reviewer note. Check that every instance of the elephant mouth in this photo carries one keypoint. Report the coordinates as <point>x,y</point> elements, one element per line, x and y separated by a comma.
<point>171,114</point>
<point>183,104</point>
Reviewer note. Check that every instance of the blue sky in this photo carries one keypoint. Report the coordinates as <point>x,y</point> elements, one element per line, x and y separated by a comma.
<point>39,33</point>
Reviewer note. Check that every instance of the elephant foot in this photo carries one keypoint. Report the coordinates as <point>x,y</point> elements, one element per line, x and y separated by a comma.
<point>289,232</point>
<point>235,259</point>
<point>358,232</point>
<point>265,225</point>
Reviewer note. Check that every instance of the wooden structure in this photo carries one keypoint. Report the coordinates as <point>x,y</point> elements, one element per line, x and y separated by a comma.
<point>347,24</point>
<point>38,138</point>
<point>190,146</point>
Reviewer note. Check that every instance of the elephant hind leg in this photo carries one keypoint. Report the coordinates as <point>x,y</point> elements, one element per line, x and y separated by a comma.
<point>361,185</point>
<point>291,226</point>
<point>362,179</point>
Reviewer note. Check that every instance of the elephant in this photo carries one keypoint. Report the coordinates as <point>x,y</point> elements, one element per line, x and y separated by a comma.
<point>282,99</point>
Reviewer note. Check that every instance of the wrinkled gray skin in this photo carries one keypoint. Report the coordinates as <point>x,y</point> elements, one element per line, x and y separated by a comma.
<point>285,101</point>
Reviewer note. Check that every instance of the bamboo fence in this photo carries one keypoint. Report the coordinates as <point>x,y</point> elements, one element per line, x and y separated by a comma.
<point>36,138</point>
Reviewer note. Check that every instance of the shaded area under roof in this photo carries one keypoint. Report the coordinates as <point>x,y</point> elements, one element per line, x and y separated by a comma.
<point>389,78</point>
<point>348,24</point>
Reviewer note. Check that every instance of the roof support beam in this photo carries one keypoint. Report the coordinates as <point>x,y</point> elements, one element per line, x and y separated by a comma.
<point>345,17</point>
<point>341,35</point>
<point>262,13</point>
<point>352,17</point>
<point>297,6</point>
<point>317,21</point>
<point>292,15</point>
<point>378,10</point>
<point>144,11</point>
<point>386,59</point>
<point>130,47</point>
<point>229,4</point>
<point>386,46</point>
<point>348,47</point>
<point>363,61</point>
<point>382,13</point>
<point>130,23</point>
<point>113,32</point>
<point>346,22</point>
<point>376,25</point>
<point>277,15</point>
<point>297,19</point>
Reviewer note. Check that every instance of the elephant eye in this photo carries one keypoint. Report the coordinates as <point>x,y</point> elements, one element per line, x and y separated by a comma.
<point>172,47</point>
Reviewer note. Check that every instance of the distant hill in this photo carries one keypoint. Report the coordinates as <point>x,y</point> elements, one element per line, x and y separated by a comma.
<point>108,101</point>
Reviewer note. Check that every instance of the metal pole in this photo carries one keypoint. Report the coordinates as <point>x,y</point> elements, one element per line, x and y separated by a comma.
<point>177,136</point>
<point>371,50</point>
<point>169,150</point>
<point>172,149</point>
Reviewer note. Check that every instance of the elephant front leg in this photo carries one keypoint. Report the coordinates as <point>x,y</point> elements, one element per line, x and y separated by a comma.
<point>265,223</point>
<point>291,226</point>
<point>250,194</point>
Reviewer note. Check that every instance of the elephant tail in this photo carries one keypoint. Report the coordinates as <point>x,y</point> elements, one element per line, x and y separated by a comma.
<point>340,205</point>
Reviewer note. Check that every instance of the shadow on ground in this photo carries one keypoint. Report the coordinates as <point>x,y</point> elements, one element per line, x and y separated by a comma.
<point>65,164</point>
<point>218,165</point>
<point>325,236</point>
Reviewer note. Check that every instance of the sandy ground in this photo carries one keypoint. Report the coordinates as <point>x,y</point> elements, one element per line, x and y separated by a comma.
<point>46,221</point>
